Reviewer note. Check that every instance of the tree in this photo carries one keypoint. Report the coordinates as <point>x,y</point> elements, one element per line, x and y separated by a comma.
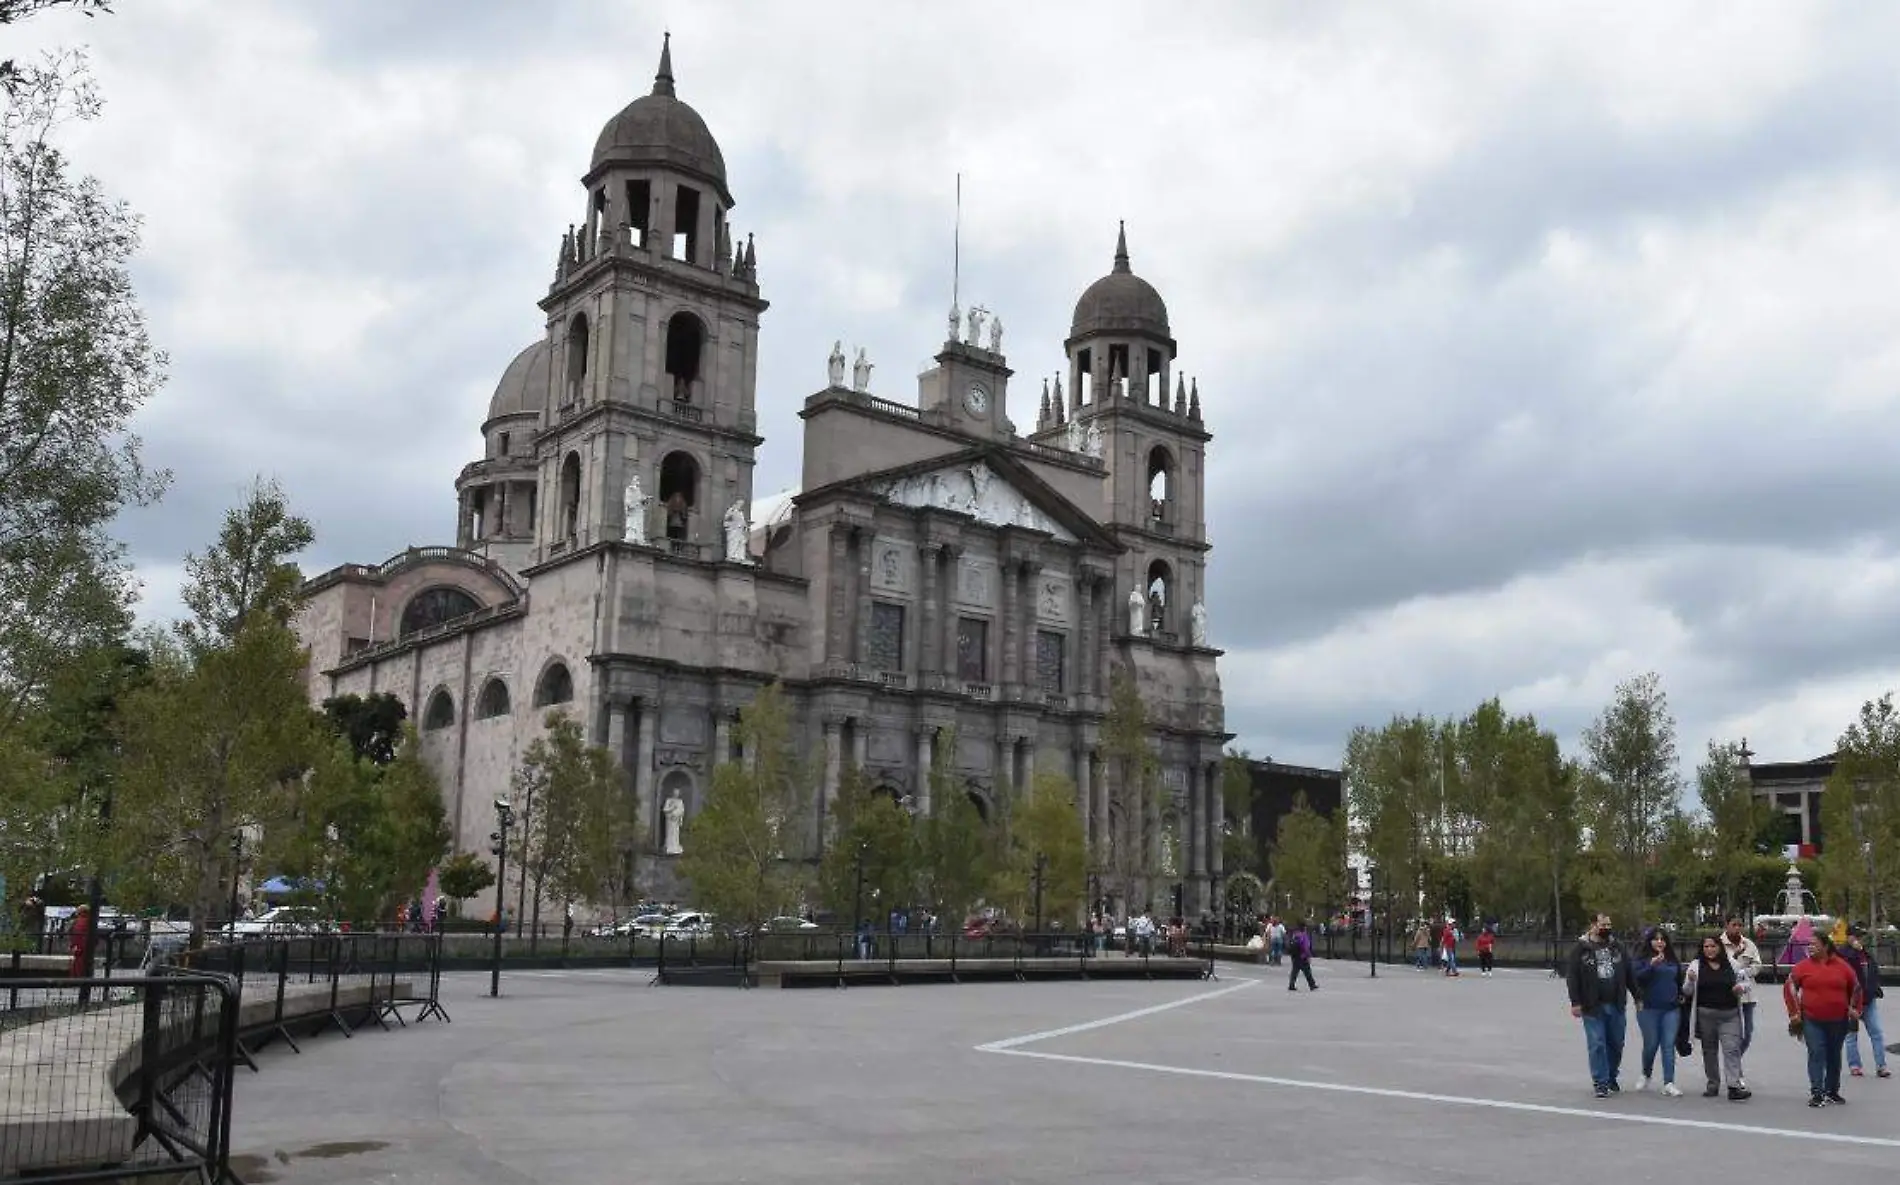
<point>13,11</point>
<point>371,723</point>
<point>1631,750</point>
<point>1309,860</point>
<point>1735,817</point>
<point>212,745</point>
<point>75,365</point>
<point>953,847</point>
<point>1241,849</point>
<point>870,862</point>
<point>1130,850</point>
<point>1860,812</point>
<point>1394,790</point>
<point>464,875</point>
<point>580,820</point>
<point>1047,825</point>
<point>756,812</point>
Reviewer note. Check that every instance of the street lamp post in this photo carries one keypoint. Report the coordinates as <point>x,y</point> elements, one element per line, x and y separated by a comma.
<point>1042,865</point>
<point>857,907</point>
<point>1220,907</point>
<point>1372,923</point>
<point>504,819</point>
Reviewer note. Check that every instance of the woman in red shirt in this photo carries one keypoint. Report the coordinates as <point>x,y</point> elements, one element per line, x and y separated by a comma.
<point>1823,997</point>
<point>1487,942</point>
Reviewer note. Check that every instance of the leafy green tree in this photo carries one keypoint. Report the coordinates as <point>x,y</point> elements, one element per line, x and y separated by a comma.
<point>211,746</point>
<point>1860,813</point>
<point>1734,819</point>
<point>579,820</point>
<point>954,850</point>
<point>1130,851</point>
<point>12,11</point>
<point>75,366</point>
<point>1242,850</point>
<point>465,875</point>
<point>1635,790</point>
<point>1394,789</point>
<point>371,723</point>
<point>1045,825</point>
<point>756,812</point>
<point>873,838</point>
<point>1309,860</point>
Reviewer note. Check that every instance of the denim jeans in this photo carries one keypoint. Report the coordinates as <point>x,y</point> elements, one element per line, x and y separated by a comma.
<point>1748,1027</point>
<point>1451,960</point>
<point>1659,1027</point>
<point>1422,957</point>
<point>1824,1038</point>
<point>1603,1030</point>
<point>1869,1020</point>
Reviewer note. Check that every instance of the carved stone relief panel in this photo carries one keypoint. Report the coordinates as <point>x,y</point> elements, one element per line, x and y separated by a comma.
<point>683,726</point>
<point>1054,599</point>
<point>892,562</point>
<point>976,583</point>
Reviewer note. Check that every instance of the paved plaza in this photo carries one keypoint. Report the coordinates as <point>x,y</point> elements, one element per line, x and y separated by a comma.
<point>593,1076</point>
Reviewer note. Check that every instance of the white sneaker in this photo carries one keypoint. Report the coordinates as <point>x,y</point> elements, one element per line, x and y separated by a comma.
<point>1642,1083</point>
<point>1669,1089</point>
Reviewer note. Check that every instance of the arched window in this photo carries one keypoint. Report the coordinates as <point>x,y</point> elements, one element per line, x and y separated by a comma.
<point>440,712</point>
<point>1160,594</point>
<point>433,607</point>
<point>576,355</point>
<point>685,343</point>
<point>679,493</point>
<point>556,686</point>
<point>1160,486</point>
<point>570,496</point>
<point>493,700</point>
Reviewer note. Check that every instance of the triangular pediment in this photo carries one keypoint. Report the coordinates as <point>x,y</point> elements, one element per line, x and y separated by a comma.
<point>972,487</point>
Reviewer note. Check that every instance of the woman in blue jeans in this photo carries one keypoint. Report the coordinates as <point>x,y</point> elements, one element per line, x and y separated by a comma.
<point>1656,979</point>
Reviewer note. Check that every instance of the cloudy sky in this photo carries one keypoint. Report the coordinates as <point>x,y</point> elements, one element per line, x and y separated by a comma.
<point>1542,345</point>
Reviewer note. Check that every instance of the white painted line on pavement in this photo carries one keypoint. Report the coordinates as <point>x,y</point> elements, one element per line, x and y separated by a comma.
<point>1412,1095</point>
<point>1008,1044</point>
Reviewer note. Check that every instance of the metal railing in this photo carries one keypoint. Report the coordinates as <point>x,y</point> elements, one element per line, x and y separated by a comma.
<point>109,1080</point>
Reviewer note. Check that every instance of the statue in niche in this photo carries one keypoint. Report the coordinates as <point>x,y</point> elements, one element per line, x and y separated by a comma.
<point>956,321</point>
<point>861,372</point>
<point>996,335</point>
<point>1093,447</point>
<point>1197,624</point>
<point>736,526</point>
<point>835,364</point>
<point>1137,613</point>
<point>674,812</point>
<point>636,531</point>
<point>976,327</point>
<point>1075,440</point>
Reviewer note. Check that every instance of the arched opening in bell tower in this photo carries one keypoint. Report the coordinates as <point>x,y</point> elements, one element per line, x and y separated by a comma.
<point>679,493</point>
<point>685,345</point>
<point>570,496</point>
<point>1160,487</point>
<point>576,356</point>
<point>1160,594</point>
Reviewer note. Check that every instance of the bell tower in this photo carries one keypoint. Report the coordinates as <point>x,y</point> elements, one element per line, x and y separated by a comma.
<point>1120,370</point>
<point>652,330</point>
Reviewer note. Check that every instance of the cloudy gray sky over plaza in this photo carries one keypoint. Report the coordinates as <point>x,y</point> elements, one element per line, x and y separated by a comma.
<point>1542,345</point>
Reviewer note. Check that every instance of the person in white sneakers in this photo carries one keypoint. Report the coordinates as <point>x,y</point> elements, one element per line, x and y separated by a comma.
<point>1656,981</point>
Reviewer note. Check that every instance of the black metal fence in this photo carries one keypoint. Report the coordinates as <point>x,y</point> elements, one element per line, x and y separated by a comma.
<point>135,1081</point>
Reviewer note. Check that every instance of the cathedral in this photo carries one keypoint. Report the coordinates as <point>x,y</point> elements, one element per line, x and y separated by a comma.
<point>939,577</point>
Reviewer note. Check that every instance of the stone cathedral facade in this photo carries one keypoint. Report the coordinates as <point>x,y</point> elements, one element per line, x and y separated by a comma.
<point>939,573</point>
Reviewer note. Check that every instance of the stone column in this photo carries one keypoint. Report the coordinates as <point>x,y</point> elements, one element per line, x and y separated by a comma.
<point>1028,744</point>
<point>828,791</point>
<point>862,652</point>
<point>643,765</point>
<point>930,630</point>
<point>1006,618</point>
<point>1215,813</point>
<point>1194,834</point>
<point>617,745</point>
<point>722,736</point>
<point>1030,671</point>
<point>837,608</point>
<point>1085,635</point>
<point>1085,800</point>
<point>860,742</point>
<point>926,737</point>
<point>1098,809</point>
<point>952,573</point>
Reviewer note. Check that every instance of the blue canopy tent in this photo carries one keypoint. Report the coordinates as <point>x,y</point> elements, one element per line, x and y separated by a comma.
<point>283,886</point>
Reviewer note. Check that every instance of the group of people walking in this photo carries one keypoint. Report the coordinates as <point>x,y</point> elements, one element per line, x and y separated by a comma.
<point>1711,999</point>
<point>1443,938</point>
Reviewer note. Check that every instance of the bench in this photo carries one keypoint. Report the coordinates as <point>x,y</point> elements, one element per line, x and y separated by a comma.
<point>66,1084</point>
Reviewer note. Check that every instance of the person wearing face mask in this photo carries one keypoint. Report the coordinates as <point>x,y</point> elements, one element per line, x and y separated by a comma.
<point>1746,957</point>
<point>1599,982</point>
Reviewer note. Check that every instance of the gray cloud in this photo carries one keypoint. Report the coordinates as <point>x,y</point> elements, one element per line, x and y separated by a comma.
<point>1539,352</point>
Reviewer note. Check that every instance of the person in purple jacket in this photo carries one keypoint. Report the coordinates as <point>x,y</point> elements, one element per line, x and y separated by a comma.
<point>1299,945</point>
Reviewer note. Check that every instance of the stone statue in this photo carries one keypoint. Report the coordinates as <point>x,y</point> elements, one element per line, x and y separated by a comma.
<point>1075,439</point>
<point>1197,624</point>
<point>636,531</point>
<point>1137,613</point>
<point>835,367</point>
<point>976,327</point>
<point>1093,447</point>
<point>674,811</point>
<point>861,372</point>
<point>956,321</point>
<point>736,527</point>
<point>996,335</point>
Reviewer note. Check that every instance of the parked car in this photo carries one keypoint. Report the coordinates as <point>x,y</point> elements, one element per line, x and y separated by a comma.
<point>283,919</point>
<point>786,925</point>
<point>688,925</point>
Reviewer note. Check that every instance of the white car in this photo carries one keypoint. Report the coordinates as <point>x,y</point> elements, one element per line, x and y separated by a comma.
<point>283,919</point>
<point>688,925</point>
<point>786,925</point>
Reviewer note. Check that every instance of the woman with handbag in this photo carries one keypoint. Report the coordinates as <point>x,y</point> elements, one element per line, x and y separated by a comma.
<point>1823,998</point>
<point>1716,989</point>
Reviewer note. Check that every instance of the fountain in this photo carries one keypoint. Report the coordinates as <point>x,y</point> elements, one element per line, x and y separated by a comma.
<point>1799,916</point>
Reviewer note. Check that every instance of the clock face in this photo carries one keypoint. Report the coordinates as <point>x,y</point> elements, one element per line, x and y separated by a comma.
<point>977,399</point>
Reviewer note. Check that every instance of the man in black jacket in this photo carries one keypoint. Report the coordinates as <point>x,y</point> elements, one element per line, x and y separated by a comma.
<point>1599,978</point>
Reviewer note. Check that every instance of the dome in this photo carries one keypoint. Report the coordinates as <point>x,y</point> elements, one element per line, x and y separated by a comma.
<point>658,129</point>
<point>1120,302</point>
<point>524,385</point>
